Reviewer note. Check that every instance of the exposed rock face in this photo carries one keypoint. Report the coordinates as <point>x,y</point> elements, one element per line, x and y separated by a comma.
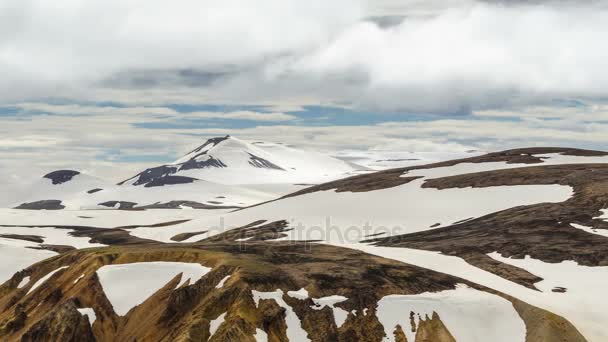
<point>195,162</point>
<point>185,236</point>
<point>180,204</point>
<point>394,177</point>
<point>64,323</point>
<point>542,231</point>
<point>244,261</point>
<point>152,174</point>
<point>169,180</point>
<point>122,205</point>
<point>262,163</point>
<point>433,330</point>
<point>207,145</point>
<point>185,313</point>
<point>31,238</point>
<point>61,176</point>
<point>42,205</point>
<point>202,164</point>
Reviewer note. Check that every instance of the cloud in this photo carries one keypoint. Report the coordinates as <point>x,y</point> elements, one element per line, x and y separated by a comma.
<point>440,56</point>
<point>163,112</point>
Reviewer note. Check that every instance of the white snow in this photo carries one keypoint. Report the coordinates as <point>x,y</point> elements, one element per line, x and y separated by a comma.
<point>350,217</point>
<point>301,294</point>
<point>96,218</point>
<point>44,189</point>
<point>294,326</point>
<point>468,314</point>
<point>52,236</point>
<point>16,258</point>
<point>128,285</point>
<point>78,279</point>
<point>340,314</point>
<point>244,239</point>
<point>222,282</point>
<point>44,279</point>
<point>588,322</point>
<point>385,159</point>
<point>260,335</point>
<point>24,282</point>
<point>591,230</point>
<point>584,301</point>
<point>215,324</point>
<point>604,215</point>
<point>201,191</point>
<point>297,166</point>
<point>89,312</point>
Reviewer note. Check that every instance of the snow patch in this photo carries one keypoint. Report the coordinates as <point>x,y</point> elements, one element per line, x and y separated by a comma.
<point>15,258</point>
<point>128,285</point>
<point>468,314</point>
<point>584,303</point>
<point>45,278</point>
<point>23,282</point>
<point>604,215</point>
<point>52,236</point>
<point>340,314</point>
<point>222,282</point>
<point>89,312</point>
<point>78,279</point>
<point>591,230</point>
<point>301,294</point>
<point>260,335</point>
<point>216,323</point>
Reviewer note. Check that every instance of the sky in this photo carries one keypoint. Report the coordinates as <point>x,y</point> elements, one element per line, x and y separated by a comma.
<point>109,87</point>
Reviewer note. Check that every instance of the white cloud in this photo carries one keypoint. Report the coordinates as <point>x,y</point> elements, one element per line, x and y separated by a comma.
<point>74,109</point>
<point>444,56</point>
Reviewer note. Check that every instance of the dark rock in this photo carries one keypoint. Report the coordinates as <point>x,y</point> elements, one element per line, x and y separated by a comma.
<point>30,238</point>
<point>55,248</point>
<point>191,204</point>
<point>262,163</point>
<point>61,176</point>
<point>122,205</point>
<point>194,164</point>
<point>169,180</point>
<point>185,236</point>
<point>92,191</point>
<point>42,205</point>
<point>64,323</point>
<point>152,174</point>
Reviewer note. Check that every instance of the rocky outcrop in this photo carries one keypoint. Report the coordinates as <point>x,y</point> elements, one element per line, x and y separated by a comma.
<point>42,205</point>
<point>63,323</point>
<point>169,180</point>
<point>61,176</point>
<point>185,313</point>
<point>433,330</point>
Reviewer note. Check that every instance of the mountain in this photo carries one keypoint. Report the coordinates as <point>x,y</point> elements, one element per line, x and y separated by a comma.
<point>54,190</point>
<point>223,173</point>
<point>504,246</point>
<point>228,160</point>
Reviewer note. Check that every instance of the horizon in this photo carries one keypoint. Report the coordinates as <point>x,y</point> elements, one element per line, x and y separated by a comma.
<point>397,75</point>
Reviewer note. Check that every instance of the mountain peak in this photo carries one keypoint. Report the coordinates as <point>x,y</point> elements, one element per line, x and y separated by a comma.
<point>229,160</point>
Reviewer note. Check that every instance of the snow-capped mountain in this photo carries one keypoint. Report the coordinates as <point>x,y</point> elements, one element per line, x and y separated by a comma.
<point>507,246</point>
<point>223,173</point>
<point>228,160</point>
<point>54,189</point>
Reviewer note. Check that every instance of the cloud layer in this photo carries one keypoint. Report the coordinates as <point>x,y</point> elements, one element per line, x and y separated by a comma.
<point>434,56</point>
